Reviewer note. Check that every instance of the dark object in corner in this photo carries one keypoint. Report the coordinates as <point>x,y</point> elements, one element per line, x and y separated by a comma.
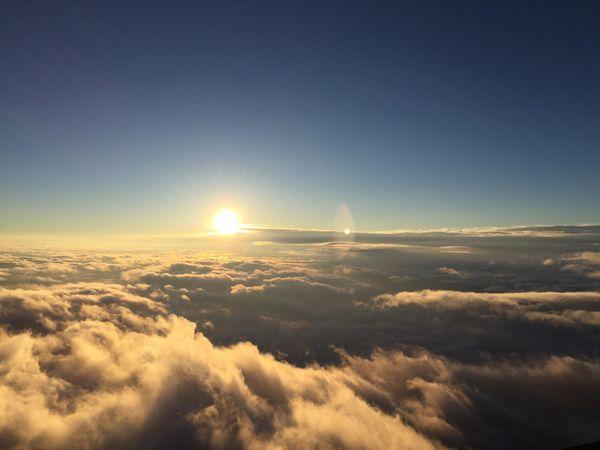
<point>590,446</point>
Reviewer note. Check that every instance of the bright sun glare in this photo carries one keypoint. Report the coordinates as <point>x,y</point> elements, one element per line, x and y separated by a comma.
<point>226,222</point>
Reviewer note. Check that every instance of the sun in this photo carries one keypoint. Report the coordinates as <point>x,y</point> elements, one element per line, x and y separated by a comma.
<point>226,221</point>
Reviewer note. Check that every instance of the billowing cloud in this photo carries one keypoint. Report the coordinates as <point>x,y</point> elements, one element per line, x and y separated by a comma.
<point>586,263</point>
<point>94,385</point>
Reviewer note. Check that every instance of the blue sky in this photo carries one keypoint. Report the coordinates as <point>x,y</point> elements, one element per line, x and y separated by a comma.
<point>147,116</point>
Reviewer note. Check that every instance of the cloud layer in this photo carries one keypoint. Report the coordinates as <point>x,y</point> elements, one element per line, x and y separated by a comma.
<point>420,345</point>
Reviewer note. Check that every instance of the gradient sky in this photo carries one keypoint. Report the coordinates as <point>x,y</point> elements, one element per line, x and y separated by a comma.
<point>146,116</point>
